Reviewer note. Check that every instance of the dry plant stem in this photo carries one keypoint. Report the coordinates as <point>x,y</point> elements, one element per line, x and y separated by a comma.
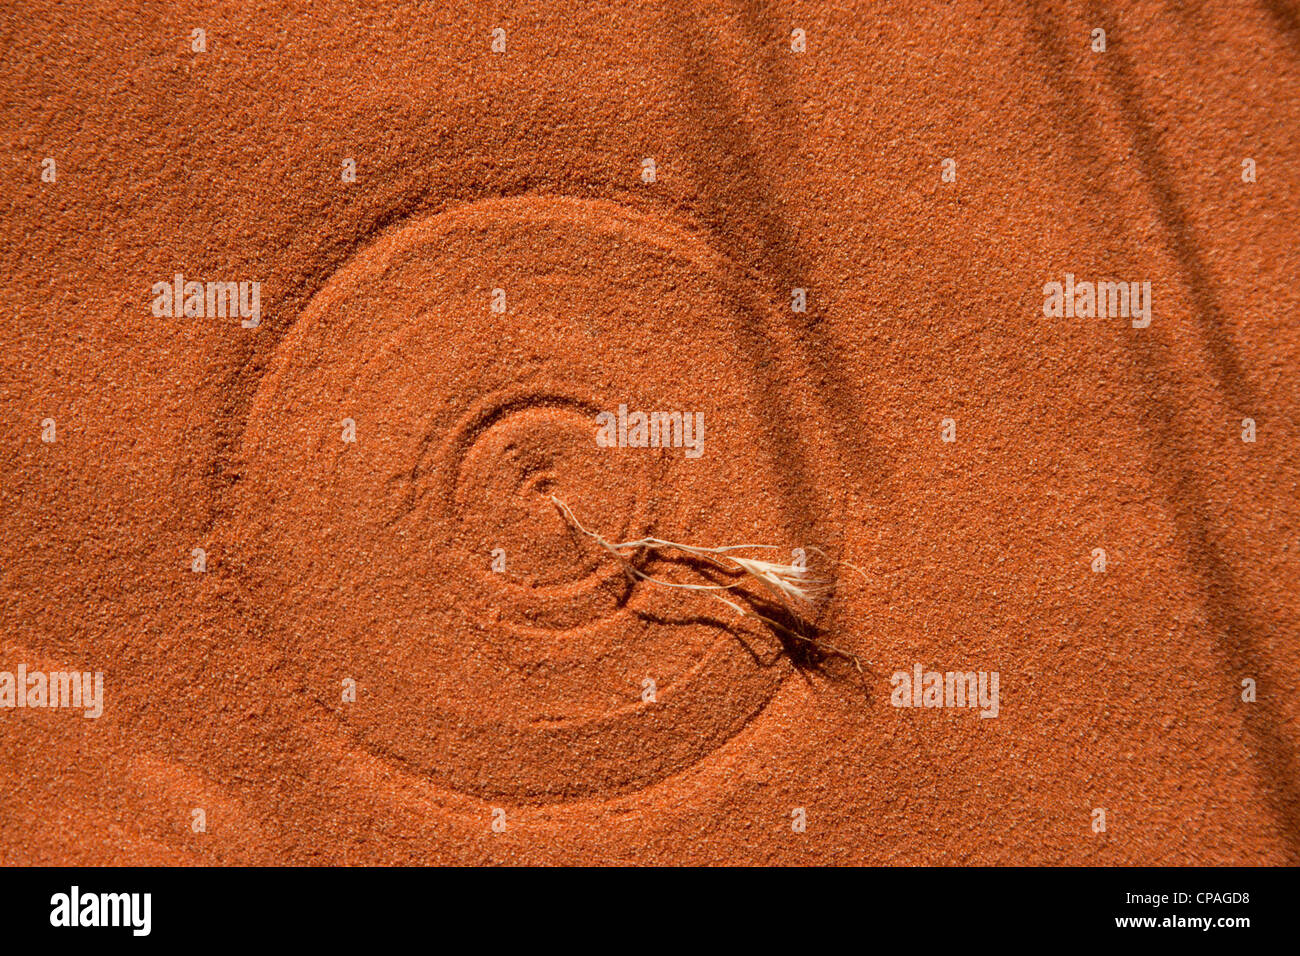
<point>791,585</point>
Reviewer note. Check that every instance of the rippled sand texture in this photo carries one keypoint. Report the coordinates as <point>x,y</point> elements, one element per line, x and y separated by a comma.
<point>503,715</point>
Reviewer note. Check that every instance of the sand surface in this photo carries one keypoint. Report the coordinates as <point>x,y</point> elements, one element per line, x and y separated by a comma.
<point>500,716</point>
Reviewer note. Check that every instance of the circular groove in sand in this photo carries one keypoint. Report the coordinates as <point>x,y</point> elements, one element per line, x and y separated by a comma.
<point>374,558</point>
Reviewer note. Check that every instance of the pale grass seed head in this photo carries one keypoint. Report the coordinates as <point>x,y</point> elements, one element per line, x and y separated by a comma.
<point>794,586</point>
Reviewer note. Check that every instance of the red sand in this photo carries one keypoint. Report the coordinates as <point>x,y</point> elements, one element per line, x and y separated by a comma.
<point>521,691</point>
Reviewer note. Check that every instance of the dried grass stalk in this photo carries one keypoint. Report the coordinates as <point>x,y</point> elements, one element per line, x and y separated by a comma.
<point>793,586</point>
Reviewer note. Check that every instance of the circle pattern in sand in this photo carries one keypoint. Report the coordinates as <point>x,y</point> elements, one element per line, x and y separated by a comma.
<point>497,652</point>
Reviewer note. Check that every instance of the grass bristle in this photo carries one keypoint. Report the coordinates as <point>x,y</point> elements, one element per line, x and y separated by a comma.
<point>794,587</point>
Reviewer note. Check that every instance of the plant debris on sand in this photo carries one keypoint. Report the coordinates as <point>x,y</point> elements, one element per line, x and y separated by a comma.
<point>792,586</point>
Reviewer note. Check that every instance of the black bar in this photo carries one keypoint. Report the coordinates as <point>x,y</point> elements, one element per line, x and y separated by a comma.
<point>943,906</point>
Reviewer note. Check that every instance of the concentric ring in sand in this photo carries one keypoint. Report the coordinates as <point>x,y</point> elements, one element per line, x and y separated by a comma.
<point>375,558</point>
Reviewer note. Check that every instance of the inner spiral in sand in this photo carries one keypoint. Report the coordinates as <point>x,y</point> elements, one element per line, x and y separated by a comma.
<point>486,491</point>
<point>495,651</point>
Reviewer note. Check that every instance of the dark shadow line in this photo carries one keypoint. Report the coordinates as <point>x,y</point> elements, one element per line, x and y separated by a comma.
<point>1285,19</point>
<point>1233,626</point>
<point>1206,309</point>
<point>716,137</point>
